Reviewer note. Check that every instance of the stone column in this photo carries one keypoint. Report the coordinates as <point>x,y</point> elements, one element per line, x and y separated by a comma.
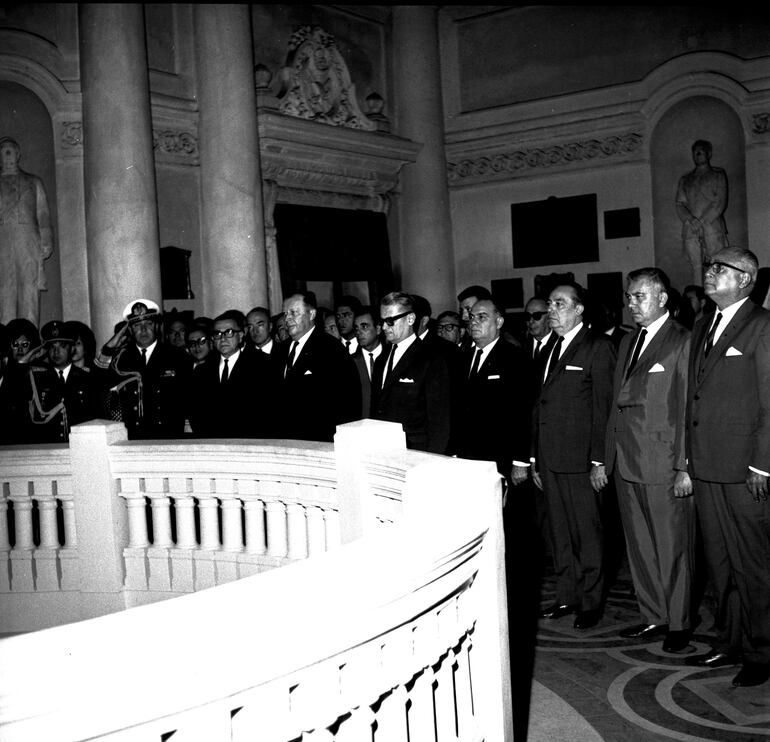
<point>118,166</point>
<point>427,255</point>
<point>232,223</point>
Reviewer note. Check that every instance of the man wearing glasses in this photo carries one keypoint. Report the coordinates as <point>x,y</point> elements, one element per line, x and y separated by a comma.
<point>728,453</point>
<point>540,336</point>
<point>233,397</point>
<point>449,328</point>
<point>152,378</point>
<point>411,384</point>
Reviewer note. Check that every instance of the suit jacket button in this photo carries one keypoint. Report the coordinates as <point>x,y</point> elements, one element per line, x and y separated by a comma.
<point>695,423</point>
<point>696,397</point>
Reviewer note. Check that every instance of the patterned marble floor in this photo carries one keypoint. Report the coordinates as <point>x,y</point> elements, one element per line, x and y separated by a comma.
<point>631,691</point>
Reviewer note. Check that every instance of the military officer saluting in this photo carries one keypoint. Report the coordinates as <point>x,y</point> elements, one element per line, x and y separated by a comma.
<point>151,378</point>
<point>60,394</point>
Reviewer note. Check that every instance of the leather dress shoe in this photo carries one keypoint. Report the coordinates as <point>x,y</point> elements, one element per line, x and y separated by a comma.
<point>588,619</point>
<point>712,659</point>
<point>644,631</point>
<point>752,673</point>
<point>677,641</point>
<point>557,611</point>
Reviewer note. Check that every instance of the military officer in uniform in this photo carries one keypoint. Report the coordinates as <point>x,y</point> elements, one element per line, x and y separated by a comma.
<point>152,378</point>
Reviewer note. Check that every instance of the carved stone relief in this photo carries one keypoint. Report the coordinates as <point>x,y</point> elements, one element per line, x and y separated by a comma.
<point>760,123</point>
<point>316,84</point>
<point>520,161</point>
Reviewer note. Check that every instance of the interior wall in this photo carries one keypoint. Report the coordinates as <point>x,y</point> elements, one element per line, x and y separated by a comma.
<point>481,218</point>
<point>24,117</point>
<point>700,117</point>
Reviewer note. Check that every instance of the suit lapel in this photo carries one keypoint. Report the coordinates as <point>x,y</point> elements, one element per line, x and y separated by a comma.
<point>725,340</point>
<point>402,365</point>
<point>567,355</point>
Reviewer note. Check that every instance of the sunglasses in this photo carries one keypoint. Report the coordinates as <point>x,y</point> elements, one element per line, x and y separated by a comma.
<point>534,315</point>
<point>390,321</point>
<point>717,266</point>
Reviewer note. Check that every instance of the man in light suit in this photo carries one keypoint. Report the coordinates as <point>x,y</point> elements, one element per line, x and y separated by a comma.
<point>728,453</point>
<point>645,447</point>
<point>370,348</point>
<point>569,426</point>
<point>320,388</point>
<point>411,385</point>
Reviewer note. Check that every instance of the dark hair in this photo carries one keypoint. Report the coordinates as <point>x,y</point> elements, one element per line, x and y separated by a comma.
<point>422,307</point>
<point>21,326</point>
<point>205,322</point>
<point>478,291</point>
<point>702,143</point>
<point>371,311</point>
<point>308,297</point>
<point>87,337</point>
<point>348,301</point>
<point>5,343</point>
<point>700,294</point>
<point>236,315</point>
<point>449,313</point>
<point>259,309</point>
<point>581,296</point>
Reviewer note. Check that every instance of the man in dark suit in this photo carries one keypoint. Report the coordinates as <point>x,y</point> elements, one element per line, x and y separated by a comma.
<point>465,300</point>
<point>368,329</point>
<point>569,426</point>
<point>320,388</point>
<point>411,385</point>
<point>645,448</point>
<point>728,453</point>
<point>233,396</point>
<point>151,378</point>
<point>60,394</point>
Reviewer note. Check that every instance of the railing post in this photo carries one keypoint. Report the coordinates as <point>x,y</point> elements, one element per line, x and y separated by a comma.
<point>100,515</point>
<point>351,442</point>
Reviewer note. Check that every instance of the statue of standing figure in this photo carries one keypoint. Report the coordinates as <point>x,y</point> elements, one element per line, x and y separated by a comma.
<point>701,200</point>
<point>26,237</point>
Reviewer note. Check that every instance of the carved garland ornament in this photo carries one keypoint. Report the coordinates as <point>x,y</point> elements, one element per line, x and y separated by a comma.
<point>760,123</point>
<point>564,154</point>
<point>165,141</point>
<point>316,84</point>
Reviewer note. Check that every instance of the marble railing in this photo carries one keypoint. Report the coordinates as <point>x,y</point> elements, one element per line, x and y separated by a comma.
<point>399,634</point>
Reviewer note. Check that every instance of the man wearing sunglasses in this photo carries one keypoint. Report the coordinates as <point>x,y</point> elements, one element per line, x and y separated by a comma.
<point>728,453</point>
<point>540,336</point>
<point>411,384</point>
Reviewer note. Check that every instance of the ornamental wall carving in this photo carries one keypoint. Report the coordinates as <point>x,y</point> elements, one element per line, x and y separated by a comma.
<point>521,162</point>
<point>760,123</point>
<point>316,84</point>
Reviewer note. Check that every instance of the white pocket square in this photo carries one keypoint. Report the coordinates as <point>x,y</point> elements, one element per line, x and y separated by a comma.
<point>308,373</point>
<point>574,368</point>
<point>493,376</point>
<point>406,381</point>
<point>731,351</point>
<point>656,369</point>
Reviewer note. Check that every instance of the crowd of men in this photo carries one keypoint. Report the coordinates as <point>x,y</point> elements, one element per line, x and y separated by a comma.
<point>674,422</point>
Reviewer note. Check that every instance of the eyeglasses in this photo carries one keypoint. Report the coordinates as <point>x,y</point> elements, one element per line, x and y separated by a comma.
<point>717,266</point>
<point>200,342</point>
<point>228,333</point>
<point>20,345</point>
<point>446,328</point>
<point>390,321</point>
<point>534,315</point>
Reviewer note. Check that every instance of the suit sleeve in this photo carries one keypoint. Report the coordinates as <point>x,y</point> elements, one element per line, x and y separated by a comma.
<point>438,406</point>
<point>760,456</point>
<point>679,408</point>
<point>602,371</point>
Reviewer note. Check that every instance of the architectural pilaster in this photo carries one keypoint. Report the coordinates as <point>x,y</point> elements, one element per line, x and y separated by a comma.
<point>232,222</point>
<point>427,257</point>
<point>118,166</point>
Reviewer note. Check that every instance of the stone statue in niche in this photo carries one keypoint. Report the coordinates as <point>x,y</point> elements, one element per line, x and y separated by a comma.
<point>26,237</point>
<point>316,84</point>
<point>701,200</point>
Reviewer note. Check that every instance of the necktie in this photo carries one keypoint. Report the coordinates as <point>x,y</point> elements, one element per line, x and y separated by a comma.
<point>710,337</point>
<point>554,359</point>
<point>347,345</point>
<point>476,362</point>
<point>637,351</point>
<point>290,359</point>
<point>371,364</point>
<point>225,372</point>
<point>536,352</point>
<point>390,363</point>
<point>61,377</point>
<point>144,357</point>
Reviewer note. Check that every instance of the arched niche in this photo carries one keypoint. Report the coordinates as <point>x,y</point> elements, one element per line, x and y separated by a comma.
<point>698,117</point>
<point>25,118</point>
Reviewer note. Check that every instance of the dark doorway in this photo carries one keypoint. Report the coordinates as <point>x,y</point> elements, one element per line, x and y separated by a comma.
<point>340,246</point>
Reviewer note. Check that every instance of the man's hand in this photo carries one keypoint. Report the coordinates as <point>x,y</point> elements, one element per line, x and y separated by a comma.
<point>519,474</point>
<point>757,485</point>
<point>682,484</point>
<point>536,479</point>
<point>598,477</point>
<point>34,354</point>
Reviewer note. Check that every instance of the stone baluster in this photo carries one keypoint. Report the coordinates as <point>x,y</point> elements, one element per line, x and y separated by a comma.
<point>158,554</point>
<point>444,700</point>
<point>135,554</point>
<point>255,526</point>
<point>297,526</point>
<point>64,493</point>
<point>391,718</point>
<point>463,695</point>
<point>420,716</point>
<point>332,528</point>
<point>277,536</point>
<point>208,507</point>
<point>46,555</point>
<point>182,574</point>
<point>316,532</point>
<point>21,556</point>
<point>5,547</point>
